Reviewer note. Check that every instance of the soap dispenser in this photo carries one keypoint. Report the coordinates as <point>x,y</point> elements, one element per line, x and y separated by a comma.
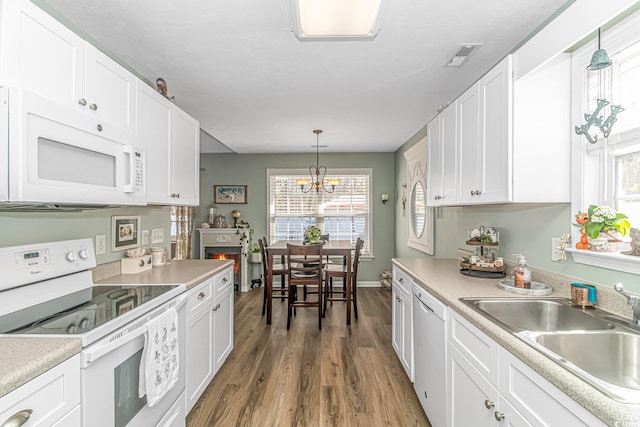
<point>522,274</point>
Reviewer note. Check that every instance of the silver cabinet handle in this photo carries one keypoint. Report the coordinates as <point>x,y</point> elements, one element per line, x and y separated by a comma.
<point>438,197</point>
<point>478,192</point>
<point>93,107</point>
<point>99,127</point>
<point>173,194</point>
<point>18,419</point>
<point>201,295</point>
<point>216,307</point>
<point>82,102</point>
<point>398,299</point>
<point>488,404</point>
<point>401,280</point>
<point>499,416</point>
<point>225,280</point>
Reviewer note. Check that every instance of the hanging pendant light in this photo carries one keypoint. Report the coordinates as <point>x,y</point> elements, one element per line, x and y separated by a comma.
<point>600,58</point>
<point>317,174</point>
<point>599,61</point>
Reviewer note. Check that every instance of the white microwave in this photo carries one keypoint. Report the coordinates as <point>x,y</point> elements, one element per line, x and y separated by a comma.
<point>56,155</point>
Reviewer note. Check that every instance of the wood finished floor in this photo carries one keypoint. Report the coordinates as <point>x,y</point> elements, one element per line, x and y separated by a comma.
<point>340,376</point>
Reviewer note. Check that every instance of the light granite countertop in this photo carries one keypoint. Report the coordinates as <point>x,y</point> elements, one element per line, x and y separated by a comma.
<point>190,272</point>
<point>23,359</point>
<point>442,278</point>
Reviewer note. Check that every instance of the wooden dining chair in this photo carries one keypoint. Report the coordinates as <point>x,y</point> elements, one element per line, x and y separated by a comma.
<point>340,271</point>
<point>305,269</point>
<point>278,269</point>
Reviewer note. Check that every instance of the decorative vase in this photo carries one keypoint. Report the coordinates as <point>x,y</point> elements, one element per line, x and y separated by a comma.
<point>256,257</point>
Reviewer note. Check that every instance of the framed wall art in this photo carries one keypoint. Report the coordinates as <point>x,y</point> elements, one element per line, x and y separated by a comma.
<point>236,194</point>
<point>125,232</point>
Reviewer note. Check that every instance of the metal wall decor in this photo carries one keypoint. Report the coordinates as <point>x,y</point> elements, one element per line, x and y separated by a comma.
<point>599,61</point>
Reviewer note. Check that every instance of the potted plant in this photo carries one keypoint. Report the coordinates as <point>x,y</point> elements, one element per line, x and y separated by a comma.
<point>256,256</point>
<point>312,233</point>
<point>605,227</point>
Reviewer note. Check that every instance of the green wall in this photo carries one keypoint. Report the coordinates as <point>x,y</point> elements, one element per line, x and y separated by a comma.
<point>251,170</point>
<point>19,228</point>
<point>524,228</point>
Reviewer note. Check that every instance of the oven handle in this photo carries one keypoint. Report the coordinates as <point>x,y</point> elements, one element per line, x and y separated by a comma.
<point>128,333</point>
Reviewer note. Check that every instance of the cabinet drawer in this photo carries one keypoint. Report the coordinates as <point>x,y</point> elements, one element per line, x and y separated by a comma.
<point>477,347</point>
<point>50,395</point>
<point>223,281</point>
<point>402,279</point>
<point>199,296</point>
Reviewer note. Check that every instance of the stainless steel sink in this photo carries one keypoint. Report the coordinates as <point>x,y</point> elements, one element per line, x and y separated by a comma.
<point>540,314</point>
<point>610,361</point>
<point>598,347</point>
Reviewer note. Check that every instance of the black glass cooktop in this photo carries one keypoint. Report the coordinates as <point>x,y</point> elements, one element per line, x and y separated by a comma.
<point>80,311</point>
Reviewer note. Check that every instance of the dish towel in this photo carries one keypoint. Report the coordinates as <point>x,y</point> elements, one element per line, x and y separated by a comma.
<point>159,365</point>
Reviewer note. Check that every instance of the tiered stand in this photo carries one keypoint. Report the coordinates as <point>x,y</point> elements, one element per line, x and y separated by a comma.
<point>479,271</point>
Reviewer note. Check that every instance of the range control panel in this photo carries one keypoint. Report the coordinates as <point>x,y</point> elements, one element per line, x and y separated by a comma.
<point>27,264</point>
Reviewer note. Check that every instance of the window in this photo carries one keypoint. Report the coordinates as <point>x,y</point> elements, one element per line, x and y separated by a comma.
<point>616,157</point>
<point>608,172</point>
<point>344,214</point>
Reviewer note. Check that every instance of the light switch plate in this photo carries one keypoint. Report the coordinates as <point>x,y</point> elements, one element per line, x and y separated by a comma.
<point>145,237</point>
<point>101,244</point>
<point>157,235</point>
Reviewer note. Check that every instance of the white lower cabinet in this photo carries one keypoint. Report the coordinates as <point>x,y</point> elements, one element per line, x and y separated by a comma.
<point>209,332</point>
<point>490,386</point>
<point>402,324</point>
<point>53,398</point>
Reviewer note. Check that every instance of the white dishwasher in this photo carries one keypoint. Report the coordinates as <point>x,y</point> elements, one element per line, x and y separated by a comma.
<point>429,341</point>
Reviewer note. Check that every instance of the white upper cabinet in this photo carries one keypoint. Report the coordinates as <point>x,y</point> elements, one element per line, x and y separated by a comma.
<point>41,55</point>
<point>173,149</point>
<point>442,137</point>
<point>500,138</point>
<point>185,159</point>
<point>470,158</point>
<point>494,145</point>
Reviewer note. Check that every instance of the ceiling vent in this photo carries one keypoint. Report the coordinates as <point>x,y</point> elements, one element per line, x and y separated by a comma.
<point>462,54</point>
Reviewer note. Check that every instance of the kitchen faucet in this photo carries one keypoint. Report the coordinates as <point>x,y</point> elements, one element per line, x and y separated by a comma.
<point>633,301</point>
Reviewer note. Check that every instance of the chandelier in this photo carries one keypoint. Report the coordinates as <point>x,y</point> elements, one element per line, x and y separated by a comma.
<point>317,174</point>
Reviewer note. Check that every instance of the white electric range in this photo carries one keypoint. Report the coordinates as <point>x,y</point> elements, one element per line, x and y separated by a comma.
<point>47,290</point>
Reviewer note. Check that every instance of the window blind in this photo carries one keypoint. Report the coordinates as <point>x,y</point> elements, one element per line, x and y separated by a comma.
<point>344,214</point>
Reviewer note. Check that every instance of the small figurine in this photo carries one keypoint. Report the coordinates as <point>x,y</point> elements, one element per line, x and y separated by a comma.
<point>162,87</point>
<point>582,218</point>
<point>564,242</point>
<point>635,243</point>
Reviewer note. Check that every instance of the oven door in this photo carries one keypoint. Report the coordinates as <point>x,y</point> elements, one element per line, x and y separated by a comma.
<point>60,155</point>
<point>110,376</point>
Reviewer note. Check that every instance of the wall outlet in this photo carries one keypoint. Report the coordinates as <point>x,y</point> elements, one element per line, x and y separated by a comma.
<point>157,235</point>
<point>145,237</point>
<point>101,244</point>
<point>556,256</point>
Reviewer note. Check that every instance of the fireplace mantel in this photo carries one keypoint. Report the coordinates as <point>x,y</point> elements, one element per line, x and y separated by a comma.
<point>236,240</point>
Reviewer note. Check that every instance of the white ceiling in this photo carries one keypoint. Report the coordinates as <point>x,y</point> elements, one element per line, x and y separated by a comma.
<point>237,67</point>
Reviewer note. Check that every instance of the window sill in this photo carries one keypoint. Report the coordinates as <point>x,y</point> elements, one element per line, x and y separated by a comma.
<point>610,260</point>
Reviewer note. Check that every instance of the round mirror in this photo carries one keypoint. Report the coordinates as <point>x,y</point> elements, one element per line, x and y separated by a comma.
<point>418,209</point>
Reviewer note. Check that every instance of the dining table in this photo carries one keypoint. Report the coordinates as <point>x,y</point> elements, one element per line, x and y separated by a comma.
<point>338,248</point>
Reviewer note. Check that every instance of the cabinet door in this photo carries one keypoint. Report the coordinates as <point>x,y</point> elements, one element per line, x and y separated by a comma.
<point>434,181</point>
<point>153,123</point>
<point>469,156</point>
<point>110,90</point>
<point>449,138</point>
<point>396,322</point>
<point>495,132</point>
<point>185,159</point>
<point>40,54</point>
<point>222,327</point>
<point>199,364</point>
<point>407,336</point>
<point>473,399</point>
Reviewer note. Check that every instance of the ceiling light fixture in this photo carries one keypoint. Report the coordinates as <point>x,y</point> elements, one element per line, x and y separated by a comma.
<point>337,19</point>
<point>317,173</point>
